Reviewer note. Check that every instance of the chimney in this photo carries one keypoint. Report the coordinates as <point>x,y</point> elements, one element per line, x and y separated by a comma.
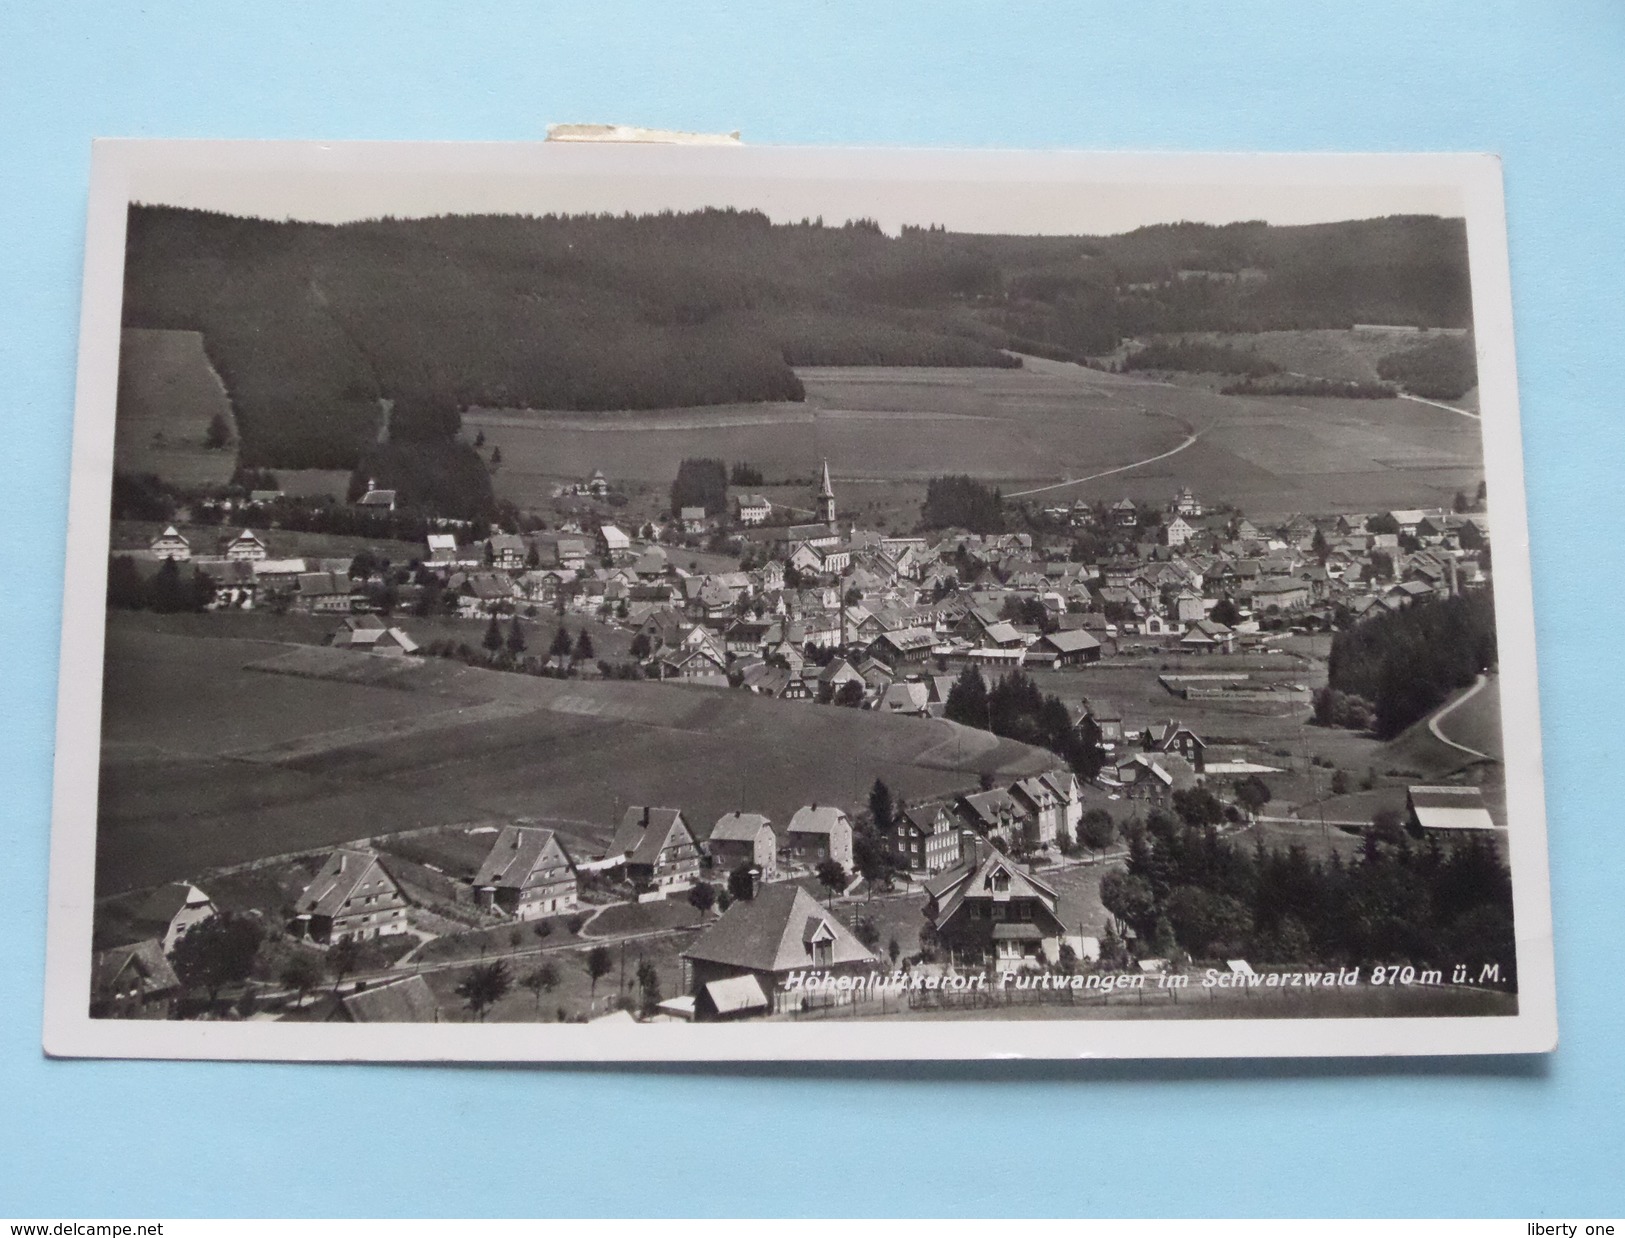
<point>646,816</point>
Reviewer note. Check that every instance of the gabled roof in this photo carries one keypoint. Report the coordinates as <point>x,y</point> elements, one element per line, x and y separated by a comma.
<point>162,905</point>
<point>1449,808</point>
<point>142,961</point>
<point>981,879</point>
<point>818,819</point>
<point>643,832</point>
<point>407,1000</point>
<point>516,856</point>
<point>1074,640</point>
<point>347,870</point>
<point>739,827</point>
<point>772,933</point>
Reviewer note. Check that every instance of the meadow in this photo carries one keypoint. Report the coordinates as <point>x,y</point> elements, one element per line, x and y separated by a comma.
<point>1036,428</point>
<point>168,394</point>
<point>209,762</point>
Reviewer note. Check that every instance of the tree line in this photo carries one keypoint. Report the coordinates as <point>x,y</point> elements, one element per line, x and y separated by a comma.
<point>961,502</point>
<point>1186,888</point>
<point>321,332</point>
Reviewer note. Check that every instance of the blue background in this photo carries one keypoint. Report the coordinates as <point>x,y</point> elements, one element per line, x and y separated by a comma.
<point>1543,84</point>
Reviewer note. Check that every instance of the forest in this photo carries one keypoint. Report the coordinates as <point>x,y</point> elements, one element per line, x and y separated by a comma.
<point>1397,902</point>
<point>320,331</point>
<point>1392,671</point>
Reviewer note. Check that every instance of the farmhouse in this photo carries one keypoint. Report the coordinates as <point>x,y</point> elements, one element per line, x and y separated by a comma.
<point>816,834</point>
<point>1071,648</point>
<point>692,519</point>
<point>324,593</point>
<point>744,964</point>
<point>612,541</point>
<point>353,897</point>
<point>994,909</point>
<point>246,547</point>
<point>406,1000</point>
<point>527,874</point>
<point>744,838</point>
<point>367,634</point>
<point>656,848</point>
<point>170,545</point>
<point>171,910</point>
<point>1446,810</point>
<point>133,982</point>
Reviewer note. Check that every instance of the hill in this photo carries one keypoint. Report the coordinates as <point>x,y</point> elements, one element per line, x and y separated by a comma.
<point>168,393</point>
<point>217,752</point>
<point>316,329</point>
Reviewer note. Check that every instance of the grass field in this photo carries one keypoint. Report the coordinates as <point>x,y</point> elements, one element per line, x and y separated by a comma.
<point>168,392</point>
<point>1037,426</point>
<point>208,763</point>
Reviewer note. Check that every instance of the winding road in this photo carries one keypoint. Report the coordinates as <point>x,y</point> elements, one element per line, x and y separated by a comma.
<point>1433,722</point>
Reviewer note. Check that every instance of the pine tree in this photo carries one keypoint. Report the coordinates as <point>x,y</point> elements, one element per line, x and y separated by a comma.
<point>493,635</point>
<point>516,637</point>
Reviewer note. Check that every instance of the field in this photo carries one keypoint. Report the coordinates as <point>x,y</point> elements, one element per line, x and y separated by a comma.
<point>168,393</point>
<point>1023,429</point>
<point>209,763</point>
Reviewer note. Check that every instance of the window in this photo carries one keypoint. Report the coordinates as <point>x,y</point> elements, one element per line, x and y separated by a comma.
<point>821,952</point>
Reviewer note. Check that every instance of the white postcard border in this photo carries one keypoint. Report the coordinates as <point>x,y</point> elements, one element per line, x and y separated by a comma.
<point>124,170</point>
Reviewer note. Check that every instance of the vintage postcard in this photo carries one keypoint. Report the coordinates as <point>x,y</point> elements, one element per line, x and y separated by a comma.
<point>550,601</point>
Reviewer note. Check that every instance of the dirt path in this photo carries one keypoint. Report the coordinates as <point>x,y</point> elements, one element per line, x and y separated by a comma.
<point>1449,408</point>
<point>1122,468</point>
<point>1433,722</point>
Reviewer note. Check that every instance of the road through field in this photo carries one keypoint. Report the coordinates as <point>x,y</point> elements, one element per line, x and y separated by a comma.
<point>1434,722</point>
<point>1449,408</point>
<point>1123,468</point>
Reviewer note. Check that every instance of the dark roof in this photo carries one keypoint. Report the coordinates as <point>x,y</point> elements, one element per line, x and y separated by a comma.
<point>407,1000</point>
<point>640,837</point>
<point>515,857</point>
<point>770,933</point>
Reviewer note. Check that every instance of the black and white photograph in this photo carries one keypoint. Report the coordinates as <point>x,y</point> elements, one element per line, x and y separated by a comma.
<point>573,601</point>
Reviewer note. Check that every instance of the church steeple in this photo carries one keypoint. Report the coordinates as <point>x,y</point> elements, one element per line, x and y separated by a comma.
<point>826,499</point>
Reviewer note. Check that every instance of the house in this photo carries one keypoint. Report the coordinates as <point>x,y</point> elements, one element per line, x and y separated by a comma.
<point>172,909</point>
<point>170,545</point>
<point>692,519</point>
<point>133,982</point>
<point>442,550</point>
<point>246,547</point>
<point>924,838</point>
<point>744,838</point>
<point>1174,736</point>
<point>992,813</point>
<point>612,541</point>
<point>1069,796</point>
<point>507,552</point>
<point>910,698</point>
<point>379,500</point>
<point>1186,503</point>
<point>527,874</point>
<point>993,909</point>
<point>1041,806</point>
<point>1447,810</point>
<point>1075,647</point>
<point>816,834</point>
<point>754,960</point>
<point>1283,594</point>
<point>597,485</point>
<point>353,897</point>
<point>1206,636</point>
<point>408,999</point>
<point>376,639</point>
<point>324,593</point>
<point>904,645</point>
<point>1123,514</point>
<point>656,848</point>
<point>1177,531</point>
<point>753,509</point>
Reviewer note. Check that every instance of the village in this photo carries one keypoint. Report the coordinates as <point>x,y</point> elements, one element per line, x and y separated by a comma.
<point>1228,618</point>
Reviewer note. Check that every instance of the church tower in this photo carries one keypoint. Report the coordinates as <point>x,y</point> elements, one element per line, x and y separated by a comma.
<point>826,500</point>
